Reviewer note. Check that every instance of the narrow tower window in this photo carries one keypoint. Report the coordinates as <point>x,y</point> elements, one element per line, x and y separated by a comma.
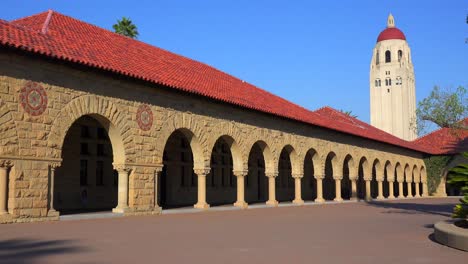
<point>400,54</point>
<point>388,56</point>
<point>377,60</point>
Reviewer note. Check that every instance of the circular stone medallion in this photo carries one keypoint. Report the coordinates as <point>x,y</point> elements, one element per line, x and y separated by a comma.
<point>33,98</point>
<point>144,117</point>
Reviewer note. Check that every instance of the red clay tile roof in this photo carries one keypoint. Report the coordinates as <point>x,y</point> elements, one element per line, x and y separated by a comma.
<point>64,38</point>
<point>446,140</point>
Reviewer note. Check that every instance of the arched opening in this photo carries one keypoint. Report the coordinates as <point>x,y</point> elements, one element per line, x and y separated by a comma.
<point>256,182</point>
<point>374,184</point>
<point>400,55</point>
<point>309,183</point>
<point>328,181</point>
<point>386,184</point>
<point>346,182</point>
<point>413,181</point>
<point>407,175</point>
<point>396,185</point>
<point>285,181</point>
<point>377,58</point>
<point>361,183</point>
<point>86,180</point>
<point>221,182</point>
<point>178,182</point>
<point>388,56</point>
<point>422,173</point>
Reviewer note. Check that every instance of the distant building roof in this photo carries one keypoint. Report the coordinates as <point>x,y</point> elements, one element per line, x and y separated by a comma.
<point>446,140</point>
<point>64,38</point>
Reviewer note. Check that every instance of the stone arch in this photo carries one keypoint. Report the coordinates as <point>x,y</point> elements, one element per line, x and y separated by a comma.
<point>295,161</point>
<point>310,167</point>
<point>349,173</point>
<point>377,166</point>
<point>332,171</point>
<point>236,152</point>
<point>416,176</point>
<point>423,174</point>
<point>407,171</point>
<point>399,172</point>
<point>106,113</point>
<point>407,180</point>
<point>195,133</point>
<point>195,145</point>
<point>389,171</point>
<point>333,158</point>
<point>9,142</point>
<point>365,167</point>
<point>267,155</point>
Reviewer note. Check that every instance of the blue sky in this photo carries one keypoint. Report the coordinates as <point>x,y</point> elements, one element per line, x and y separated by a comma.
<point>313,53</point>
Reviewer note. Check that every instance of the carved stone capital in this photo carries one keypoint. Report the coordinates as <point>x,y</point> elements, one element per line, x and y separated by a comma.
<point>202,172</point>
<point>5,163</point>
<point>297,175</point>
<point>337,177</point>
<point>121,168</point>
<point>241,173</point>
<point>158,168</point>
<point>271,174</point>
<point>319,177</point>
<point>54,165</point>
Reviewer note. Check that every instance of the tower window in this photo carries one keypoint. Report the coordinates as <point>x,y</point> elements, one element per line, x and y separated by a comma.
<point>388,82</point>
<point>388,56</point>
<point>377,60</point>
<point>380,84</point>
<point>400,54</point>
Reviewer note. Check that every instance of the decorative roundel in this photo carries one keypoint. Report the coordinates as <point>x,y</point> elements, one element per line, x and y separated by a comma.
<point>33,98</point>
<point>144,117</point>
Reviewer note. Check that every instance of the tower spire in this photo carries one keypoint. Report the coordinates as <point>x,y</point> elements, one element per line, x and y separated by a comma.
<point>390,21</point>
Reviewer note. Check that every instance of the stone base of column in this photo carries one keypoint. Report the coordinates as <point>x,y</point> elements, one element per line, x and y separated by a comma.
<point>319,200</point>
<point>121,210</point>
<point>242,205</point>
<point>4,213</point>
<point>52,213</point>
<point>272,203</point>
<point>298,202</point>
<point>203,206</point>
<point>338,199</point>
<point>391,197</point>
<point>380,198</point>
<point>157,209</point>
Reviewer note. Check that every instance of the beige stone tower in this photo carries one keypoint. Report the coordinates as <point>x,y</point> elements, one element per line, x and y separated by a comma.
<point>392,85</point>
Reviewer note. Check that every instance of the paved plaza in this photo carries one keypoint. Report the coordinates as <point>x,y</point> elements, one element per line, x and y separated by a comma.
<point>396,231</point>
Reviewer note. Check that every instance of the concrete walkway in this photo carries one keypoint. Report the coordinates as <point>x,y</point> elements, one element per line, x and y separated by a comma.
<point>397,231</point>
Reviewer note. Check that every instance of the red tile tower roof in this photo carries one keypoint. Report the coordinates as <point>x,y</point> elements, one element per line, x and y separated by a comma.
<point>391,33</point>
<point>64,38</point>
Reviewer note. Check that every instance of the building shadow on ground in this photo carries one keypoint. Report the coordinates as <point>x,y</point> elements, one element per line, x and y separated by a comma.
<point>31,250</point>
<point>444,209</point>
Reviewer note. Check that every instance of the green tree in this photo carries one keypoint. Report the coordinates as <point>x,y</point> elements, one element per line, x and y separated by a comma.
<point>459,175</point>
<point>126,27</point>
<point>443,108</point>
<point>348,113</point>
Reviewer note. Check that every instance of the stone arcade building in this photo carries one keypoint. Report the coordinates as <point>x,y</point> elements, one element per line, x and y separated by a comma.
<point>91,120</point>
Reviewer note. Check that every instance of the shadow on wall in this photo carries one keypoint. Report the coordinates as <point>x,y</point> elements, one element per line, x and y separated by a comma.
<point>445,209</point>
<point>31,250</point>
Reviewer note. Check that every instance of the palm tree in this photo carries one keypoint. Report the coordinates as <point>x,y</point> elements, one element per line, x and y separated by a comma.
<point>126,27</point>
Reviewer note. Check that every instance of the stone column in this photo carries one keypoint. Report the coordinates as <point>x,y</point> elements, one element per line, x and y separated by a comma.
<point>417,190</point>
<point>240,175</point>
<point>157,171</point>
<point>122,204</point>
<point>353,189</point>
<point>201,203</point>
<point>4,165</point>
<point>400,190</point>
<point>319,198</point>
<point>52,211</point>
<point>380,190</point>
<point>391,191</point>
<point>368,189</point>
<point>410,190</point>
<point>297,189</point>
<point>272,189</point>
<point>424,187</point>
<point>338,191</point>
